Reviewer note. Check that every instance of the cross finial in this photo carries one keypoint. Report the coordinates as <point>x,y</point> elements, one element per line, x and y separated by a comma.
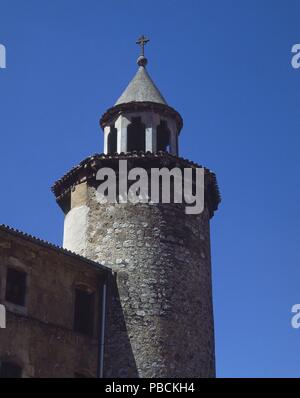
<point>141,42</point>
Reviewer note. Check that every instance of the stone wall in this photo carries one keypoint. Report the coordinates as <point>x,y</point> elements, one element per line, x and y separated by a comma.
<point>160,320</point>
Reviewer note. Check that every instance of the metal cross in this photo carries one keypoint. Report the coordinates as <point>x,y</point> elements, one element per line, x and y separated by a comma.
<point>141,42</point>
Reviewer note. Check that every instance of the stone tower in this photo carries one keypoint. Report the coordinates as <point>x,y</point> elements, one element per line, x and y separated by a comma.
<point>159,313</point>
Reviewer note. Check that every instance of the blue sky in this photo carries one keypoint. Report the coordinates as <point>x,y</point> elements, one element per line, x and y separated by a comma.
<point>225,66</point>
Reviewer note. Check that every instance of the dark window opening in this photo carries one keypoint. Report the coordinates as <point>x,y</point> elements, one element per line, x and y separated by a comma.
<point>15,286</point>
<point>163,137</point>
<point>84,312</point>
<point>10,370</point>
<point>136,131</point>
<point>177,144</point>
<point>112,140</point>
<point>80,376</point>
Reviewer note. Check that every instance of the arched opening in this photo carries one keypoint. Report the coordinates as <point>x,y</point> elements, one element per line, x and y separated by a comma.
<point>136,135</point>
<point>163,137</point>
<point>112,140</point>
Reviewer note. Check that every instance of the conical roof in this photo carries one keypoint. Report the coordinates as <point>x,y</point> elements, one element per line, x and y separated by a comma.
<point>141,88</point>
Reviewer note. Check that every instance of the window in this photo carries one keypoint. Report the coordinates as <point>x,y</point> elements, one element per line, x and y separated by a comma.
<point>10,370</point>
<point>163,137</point>
<point>136,140</point>
<point>84,311</point>
<point>112,140</point>
<point>15,286</point>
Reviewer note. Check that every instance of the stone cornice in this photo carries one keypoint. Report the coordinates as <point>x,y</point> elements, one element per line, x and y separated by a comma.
<point>162,109</point>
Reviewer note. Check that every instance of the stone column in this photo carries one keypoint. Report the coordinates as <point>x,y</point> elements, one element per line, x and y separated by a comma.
<point>151,121</point>
<point>106,133</point>
<point>121,125</point>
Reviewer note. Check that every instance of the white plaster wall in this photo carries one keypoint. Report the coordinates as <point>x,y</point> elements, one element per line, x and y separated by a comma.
<point>75,229</point>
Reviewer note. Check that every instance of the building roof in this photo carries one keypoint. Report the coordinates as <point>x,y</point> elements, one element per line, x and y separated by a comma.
<point>141,89</point>
<point>48,245</point>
